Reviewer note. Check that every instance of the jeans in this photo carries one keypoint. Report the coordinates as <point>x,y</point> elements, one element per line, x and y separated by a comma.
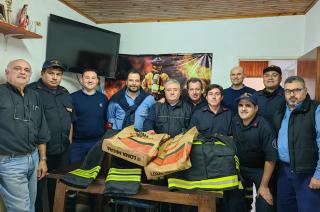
<point>18,181</point>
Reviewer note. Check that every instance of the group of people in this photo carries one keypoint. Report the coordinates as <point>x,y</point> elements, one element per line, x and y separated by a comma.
<point>276,131</point>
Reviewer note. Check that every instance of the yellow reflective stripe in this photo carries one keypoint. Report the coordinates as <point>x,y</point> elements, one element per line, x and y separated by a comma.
<point>240,185</point>
<point>217,183</point>
<point>90,173</point>
<point>249,196</point>
<point>84,175</point>
<point>197,142</point>
<point>96,168</point>
<point>124,178</point>
<point>125,171</point>
<point>219,143</point>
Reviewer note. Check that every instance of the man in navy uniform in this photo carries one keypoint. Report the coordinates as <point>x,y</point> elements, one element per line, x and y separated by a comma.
<point>59,114</point>
<point>272,96</point>
<point>256,148</point>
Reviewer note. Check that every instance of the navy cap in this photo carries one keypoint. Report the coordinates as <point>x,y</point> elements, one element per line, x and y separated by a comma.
<point>273,68</point>
<point>53,63</point>
<point>249,97</point>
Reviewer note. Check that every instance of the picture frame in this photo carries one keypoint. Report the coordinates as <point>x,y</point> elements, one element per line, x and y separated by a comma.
<point>2,13</point>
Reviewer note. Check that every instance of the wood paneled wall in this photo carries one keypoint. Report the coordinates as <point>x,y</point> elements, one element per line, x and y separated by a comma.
<point>253,68</point>
<point>309,69</point>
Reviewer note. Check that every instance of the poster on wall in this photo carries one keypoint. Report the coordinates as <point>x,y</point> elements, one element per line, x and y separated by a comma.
<point>156,69</point>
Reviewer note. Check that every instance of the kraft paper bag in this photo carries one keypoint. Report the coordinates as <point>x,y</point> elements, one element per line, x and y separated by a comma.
<point>173,155</point>
<point>136,147</point>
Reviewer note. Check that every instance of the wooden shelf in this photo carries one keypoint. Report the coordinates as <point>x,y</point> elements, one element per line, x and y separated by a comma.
<point>16,31</point>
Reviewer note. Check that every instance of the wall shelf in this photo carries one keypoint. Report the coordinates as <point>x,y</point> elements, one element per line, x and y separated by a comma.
<point>9,30</point>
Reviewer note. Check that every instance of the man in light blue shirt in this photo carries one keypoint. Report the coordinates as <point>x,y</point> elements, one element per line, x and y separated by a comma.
<point>130,105</point>
<point>298,126</point>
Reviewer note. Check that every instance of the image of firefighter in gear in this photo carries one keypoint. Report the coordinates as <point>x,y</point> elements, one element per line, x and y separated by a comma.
<point>255,140</point>
<point>154,81</point>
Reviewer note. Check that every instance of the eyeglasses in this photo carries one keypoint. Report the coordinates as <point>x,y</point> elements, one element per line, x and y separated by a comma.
<point>294,91</point>
<point>27,119</point>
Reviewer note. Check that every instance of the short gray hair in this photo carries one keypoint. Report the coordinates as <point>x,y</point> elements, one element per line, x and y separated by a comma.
<point>237,67</point>
<point>292,79</point>
<point>172,81</point>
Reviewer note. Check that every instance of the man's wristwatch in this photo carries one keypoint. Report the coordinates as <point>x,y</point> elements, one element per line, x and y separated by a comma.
<point>43,158</point>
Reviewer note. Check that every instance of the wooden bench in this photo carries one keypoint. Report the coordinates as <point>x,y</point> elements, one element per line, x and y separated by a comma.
<point>205,201</point>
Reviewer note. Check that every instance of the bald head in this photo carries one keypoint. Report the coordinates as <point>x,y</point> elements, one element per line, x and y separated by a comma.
<point>18,73</point>
<point>237,77</point>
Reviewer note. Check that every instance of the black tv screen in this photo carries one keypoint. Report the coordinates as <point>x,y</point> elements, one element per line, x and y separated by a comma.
<point>80,46</point>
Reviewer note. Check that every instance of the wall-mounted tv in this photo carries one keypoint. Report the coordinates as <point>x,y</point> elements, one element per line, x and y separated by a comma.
<point>80,46</point>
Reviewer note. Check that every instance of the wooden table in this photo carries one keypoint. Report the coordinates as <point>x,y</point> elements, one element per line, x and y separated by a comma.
<point>205,201</point>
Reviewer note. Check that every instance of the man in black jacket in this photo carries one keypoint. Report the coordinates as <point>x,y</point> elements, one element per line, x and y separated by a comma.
<point>298,126</point>
<point>193,94</point>
<point>59,114</point>
<point>171,117</point>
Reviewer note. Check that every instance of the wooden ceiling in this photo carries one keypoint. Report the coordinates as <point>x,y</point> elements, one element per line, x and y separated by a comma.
<point>125,11</point>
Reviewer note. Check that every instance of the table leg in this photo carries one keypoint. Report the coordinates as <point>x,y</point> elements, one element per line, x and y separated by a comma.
<point>207,204</point>
<point>59,197</point>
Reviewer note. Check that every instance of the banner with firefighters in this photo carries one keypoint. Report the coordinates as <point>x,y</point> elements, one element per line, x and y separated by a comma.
<point>156,69</point>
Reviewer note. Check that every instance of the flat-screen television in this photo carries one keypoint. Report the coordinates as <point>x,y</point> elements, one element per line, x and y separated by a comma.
<point>81,46</point>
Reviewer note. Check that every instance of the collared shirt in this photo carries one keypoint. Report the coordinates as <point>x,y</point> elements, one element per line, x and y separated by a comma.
<point>256,143</point>
<point>22,124</point>
<point>269,102</point>
<point>59,113</point>
<point>283,148</point>
<point>231,95</point>
<point>116,114</point>
<point>208,123</point>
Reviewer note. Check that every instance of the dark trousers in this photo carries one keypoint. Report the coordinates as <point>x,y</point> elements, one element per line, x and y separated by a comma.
<point>293,192</point>
<point>254,176</point>
<point>79,150</point>
<point>46,187</point>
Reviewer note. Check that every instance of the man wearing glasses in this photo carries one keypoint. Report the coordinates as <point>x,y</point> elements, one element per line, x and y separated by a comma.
<point>23,137</point>
<point>298,126</point>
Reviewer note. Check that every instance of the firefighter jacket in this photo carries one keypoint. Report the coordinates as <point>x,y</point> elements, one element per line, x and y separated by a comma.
<point>123,177</point>
<point>215,166</point>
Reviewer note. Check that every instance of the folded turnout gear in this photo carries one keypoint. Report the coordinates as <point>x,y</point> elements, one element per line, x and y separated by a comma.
<point>88,171</point>
<point>136,147</point>
<point>215,166</point>
<point>123,178</point>
<point>173,155</point>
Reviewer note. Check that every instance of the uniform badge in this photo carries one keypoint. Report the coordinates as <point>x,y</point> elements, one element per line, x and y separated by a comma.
<point>100,105</point>
<point>69,109</point>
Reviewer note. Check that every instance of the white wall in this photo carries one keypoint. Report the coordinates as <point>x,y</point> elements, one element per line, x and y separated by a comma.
<point>228,40</point>
<point>312,28</point>
<point>34,50</point>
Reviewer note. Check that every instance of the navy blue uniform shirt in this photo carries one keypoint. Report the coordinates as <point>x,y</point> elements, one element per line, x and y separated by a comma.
<point>256,143</point>
<point>59,113</point>
<point>269,102</point>
<point>209,123</point>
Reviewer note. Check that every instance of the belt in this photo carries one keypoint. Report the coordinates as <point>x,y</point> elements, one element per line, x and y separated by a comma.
<point>16,154</point>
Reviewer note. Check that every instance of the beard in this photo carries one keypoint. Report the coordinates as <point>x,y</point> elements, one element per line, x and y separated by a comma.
<point>133,89</point>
